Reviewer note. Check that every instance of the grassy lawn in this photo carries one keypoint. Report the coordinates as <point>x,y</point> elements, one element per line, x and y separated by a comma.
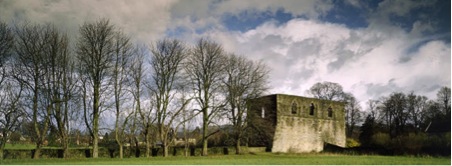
<point>33,146</point>
<point>249,159</point>
<point>20,146</point>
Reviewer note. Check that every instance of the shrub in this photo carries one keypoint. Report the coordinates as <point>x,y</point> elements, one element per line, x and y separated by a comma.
<point>410,143</point>
<point>381,139</point>
<point>352,143</point>
<point>438,144</point>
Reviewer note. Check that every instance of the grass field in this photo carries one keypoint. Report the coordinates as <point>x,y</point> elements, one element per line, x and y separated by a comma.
<point>20,146</point>
<point>248,159</point>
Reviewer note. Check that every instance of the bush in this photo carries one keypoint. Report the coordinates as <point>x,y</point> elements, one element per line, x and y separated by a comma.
<point>438,144</point>
<point>381,139</point>
<point>409,144</point>
<point>352,143</point>
<point>17,154</point>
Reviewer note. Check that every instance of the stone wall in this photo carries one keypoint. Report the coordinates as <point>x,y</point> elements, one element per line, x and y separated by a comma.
<point>298,131</point>
<point>261,121</point>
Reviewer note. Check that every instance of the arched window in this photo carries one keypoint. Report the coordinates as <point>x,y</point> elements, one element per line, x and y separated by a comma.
<point>294,108</point>
<point>330,112</point>
<point>263,112</point>
<point>311,109</point>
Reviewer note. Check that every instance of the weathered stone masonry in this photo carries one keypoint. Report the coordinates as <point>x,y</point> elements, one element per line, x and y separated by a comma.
<point>299,124</point>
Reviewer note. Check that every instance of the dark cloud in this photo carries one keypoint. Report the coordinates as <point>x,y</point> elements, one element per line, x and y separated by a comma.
<point>343,56</point>
<point>304,48</point>
<point>376,90</point>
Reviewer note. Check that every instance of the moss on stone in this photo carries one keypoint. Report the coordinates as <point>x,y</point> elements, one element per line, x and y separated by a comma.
<point>302,132</point>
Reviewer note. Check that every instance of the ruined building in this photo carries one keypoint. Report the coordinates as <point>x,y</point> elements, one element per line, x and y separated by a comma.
<point>294,124</point>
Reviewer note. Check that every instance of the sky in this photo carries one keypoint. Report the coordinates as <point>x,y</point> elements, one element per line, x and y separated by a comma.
<point>372,48</point>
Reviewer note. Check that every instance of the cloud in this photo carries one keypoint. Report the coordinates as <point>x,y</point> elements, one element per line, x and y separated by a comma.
<point>307,8</point>
<point>370,61</point>
<point>408,15</point>
<point>200,9</point>
<point>400,8</point>
<point>355,3</point>
<point>142,19</point>
<point>365,61</point>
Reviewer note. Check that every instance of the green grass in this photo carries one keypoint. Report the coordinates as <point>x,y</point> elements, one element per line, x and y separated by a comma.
<point>20,146</point>
<point>259,159</point>
<point>33,146</point>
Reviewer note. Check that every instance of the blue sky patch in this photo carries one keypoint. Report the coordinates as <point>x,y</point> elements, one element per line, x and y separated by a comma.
<point>247,20</point>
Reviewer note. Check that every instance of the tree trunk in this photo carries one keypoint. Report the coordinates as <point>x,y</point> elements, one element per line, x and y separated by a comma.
<point>37,151</point>
<point>237,146</point>
<point>186,151</point>
<point>148,146</point>
<point>118,140</point>
<point>186,142</point>
<point>65,152</point>
<point>96,120</point>
<point>121,151</point>
<point>2,148</point>
<point>35,120</point>
<point>65,147</point>
<point>137,147</point>
<point>165,150</point>
<point>204,133</point>
<point>204,147</point>
<point>95,146</point>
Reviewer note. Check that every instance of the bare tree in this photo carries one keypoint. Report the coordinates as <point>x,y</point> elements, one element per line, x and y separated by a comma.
<point>187,119</point>
<point>166,63</point>
<point>137,73</point>
<point>9,96</point>
<point>395,113</point>
<point>11,112</point>
<point>122,52</point>
<point>375,110</point>
<point>205,68</point>
<point>6,48</point>
<point>31,46</point>
<point>416,107</point>
<point>83,90</point>
<point>145,115</point>
<point>443,98</point>
<point>438,114</point>
<point>94,49</point>
<point>244,80</point>
<point>327,91</point>
<point>147,119</point>
<point>353,114</point>
<point>60,84</point>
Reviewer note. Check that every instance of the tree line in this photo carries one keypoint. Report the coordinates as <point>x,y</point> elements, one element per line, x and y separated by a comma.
<point>400,122</point>
<point>49,82</point>
<point>409,123</point>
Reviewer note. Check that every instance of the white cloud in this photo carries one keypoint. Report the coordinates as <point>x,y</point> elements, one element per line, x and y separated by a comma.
<point>142,19</point>
<point>367,61</point>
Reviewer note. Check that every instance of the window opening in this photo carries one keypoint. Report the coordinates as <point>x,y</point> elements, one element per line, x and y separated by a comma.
<point>294,108</point>
<point>311,109</point>
<point>330,112</point>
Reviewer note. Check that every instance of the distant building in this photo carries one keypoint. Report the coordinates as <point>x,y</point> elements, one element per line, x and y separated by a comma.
<point>295,124</point>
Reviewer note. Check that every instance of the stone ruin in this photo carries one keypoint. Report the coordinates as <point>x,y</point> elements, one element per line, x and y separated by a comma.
<point>295,124</point>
